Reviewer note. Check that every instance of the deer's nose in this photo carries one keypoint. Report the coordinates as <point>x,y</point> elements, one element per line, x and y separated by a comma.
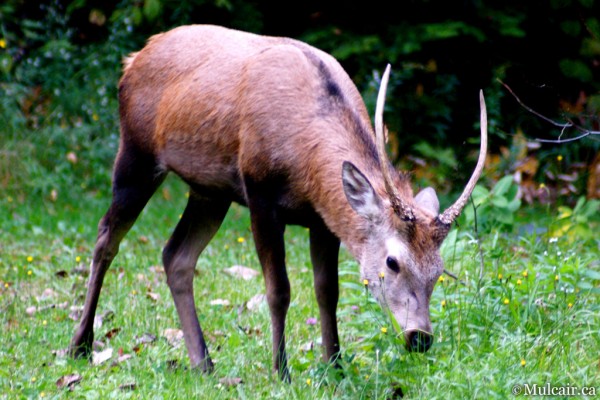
<point>418,341</point>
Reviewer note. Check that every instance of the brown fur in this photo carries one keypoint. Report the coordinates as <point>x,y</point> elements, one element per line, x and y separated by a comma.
<point>266,122</point>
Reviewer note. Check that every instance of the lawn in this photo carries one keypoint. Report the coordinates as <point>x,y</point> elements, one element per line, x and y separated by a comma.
<point>525,310</point>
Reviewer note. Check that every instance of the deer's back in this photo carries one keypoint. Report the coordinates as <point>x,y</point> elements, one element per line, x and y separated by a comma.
<point>211,103</point>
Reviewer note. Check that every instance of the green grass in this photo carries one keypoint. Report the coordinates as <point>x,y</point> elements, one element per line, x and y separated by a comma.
<point>486,329</point>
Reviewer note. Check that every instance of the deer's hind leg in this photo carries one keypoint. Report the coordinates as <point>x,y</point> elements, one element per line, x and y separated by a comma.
<point>136,177</point>
<point>199,222</point>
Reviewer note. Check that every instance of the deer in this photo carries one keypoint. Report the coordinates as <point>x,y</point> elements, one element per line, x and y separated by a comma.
<point>278,126</point>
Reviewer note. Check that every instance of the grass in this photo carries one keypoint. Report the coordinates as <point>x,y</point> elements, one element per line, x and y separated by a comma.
<point>532,317</point>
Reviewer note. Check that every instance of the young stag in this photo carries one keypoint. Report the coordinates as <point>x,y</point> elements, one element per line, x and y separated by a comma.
<point>278,126</point>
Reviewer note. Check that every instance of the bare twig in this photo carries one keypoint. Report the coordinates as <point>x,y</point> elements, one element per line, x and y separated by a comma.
<point>564,126</point>
<point>451,275</point>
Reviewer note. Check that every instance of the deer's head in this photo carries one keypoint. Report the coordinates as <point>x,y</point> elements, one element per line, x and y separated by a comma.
<point>400,257</point>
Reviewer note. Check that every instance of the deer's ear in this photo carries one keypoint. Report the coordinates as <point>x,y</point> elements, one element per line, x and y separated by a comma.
<point>360,193</point>
<point>427,200</point>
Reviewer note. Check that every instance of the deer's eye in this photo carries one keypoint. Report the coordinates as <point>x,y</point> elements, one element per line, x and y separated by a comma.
<point>392,264</point>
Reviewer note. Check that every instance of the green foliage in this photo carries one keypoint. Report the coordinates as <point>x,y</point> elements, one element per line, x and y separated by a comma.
<point>537,304</point>
<point>493,208</point>
<point>579,222</point>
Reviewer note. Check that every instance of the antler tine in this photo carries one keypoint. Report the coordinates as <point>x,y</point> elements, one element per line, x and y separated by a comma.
<point>399,207</point>
<point>448,216</point>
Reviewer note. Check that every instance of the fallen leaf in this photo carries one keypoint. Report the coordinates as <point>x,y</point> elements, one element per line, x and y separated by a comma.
<point>68,381</point>
<point>256,301</point>
<point>46,294</point>
<point>250,331</point>
<point>81,270</point>
<point>61,353</point>
<point>53,195</point>
<point>239,271</point>
<point>220,302</point>
<point>112,333</point>
<point>397,392</point>
<point>97,345</point>
<point>145,338</point>
<point>72,157</point>
<point>101,356</point>
<point>75,313</point>
<point>61,274</point>
<point>127,386</point>
<point>121,359</point>
<point>153,296</point>
<point>230,381</point>
<point>173,336</point>
<point>104,317</point>
<point>157,269</point>
<point>308,347</point>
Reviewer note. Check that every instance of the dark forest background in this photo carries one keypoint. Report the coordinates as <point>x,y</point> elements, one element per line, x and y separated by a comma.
<point>60,62</point>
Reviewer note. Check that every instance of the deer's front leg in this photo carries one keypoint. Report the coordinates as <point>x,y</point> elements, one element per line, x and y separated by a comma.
<point>324,251</point>
<point>268,229</point>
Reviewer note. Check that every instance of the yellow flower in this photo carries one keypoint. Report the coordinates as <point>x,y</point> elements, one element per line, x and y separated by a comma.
<point>441,278</point>
<point>308,382</point>
<point>499,276</point>
<point>519,282</point>
<point>382,275</point>
<point>506,301</point>
<point>44,322</point>
<point>525,273</point>
<point>134,292</point>
<point>95,117</point>
<point>443,303</point>
<point>33,379</point>
<point>365,282</point>
<point>555,277</point>
<point>542,185</point>
<point>523,362</point>
<point>241,239</point>
<point>29,272</point>
<point>384,330</point>
<point>29,258</point>
<point>3,43</point>
<point>570,305</point>
<point>559,158</point>
<point>77,259</point>
<point>6,285</point>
